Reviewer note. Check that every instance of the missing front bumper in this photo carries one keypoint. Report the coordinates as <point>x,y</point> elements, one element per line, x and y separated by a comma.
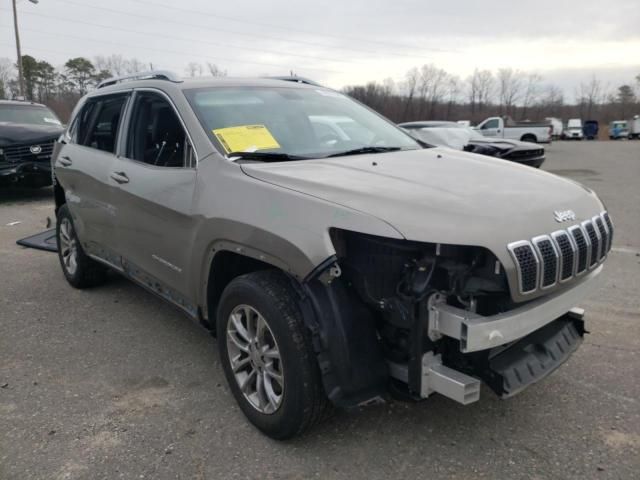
<point>476,332</point>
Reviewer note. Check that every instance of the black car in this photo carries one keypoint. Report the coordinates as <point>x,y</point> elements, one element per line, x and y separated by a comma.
<point>461,137</point>
<point>27,134</point>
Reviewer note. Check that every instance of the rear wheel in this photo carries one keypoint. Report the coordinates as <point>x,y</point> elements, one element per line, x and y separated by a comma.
<point>267,355</point>
<point>79,269</point>
<point>529,138</point>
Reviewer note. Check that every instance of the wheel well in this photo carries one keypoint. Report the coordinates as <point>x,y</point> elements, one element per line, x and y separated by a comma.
<point>528,137</point>
<point>226,266</point>
<point>58,195</point>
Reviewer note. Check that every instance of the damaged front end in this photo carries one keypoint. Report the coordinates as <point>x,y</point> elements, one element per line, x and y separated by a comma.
<point>421,318</point>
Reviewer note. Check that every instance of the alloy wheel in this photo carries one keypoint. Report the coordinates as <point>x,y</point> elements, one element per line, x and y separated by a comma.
<point>255,360</point>
<point>68,246</point>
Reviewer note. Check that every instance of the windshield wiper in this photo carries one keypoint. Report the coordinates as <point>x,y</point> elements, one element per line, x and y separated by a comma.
<point>361,150</point>
<point>265,156</point>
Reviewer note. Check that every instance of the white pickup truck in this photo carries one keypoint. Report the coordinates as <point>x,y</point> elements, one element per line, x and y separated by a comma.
<point>507,128</point>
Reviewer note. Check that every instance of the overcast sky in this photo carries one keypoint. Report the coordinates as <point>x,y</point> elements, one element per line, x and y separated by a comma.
<point>338,42</point>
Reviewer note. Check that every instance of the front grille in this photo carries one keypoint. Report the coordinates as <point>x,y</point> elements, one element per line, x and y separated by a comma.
<point>594,238</point>
<point>583,248</point>
<point>604,236</point>
<point>528,266</point>
<point>562,255</point>
<point>607,220</point>
<point>567,255</point>
<point>549,260</point>
<point>23,153</point>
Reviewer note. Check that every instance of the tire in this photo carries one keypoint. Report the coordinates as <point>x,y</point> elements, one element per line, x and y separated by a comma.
<point>80,270</point>
<point>529,138</point>
<point>281,409</point>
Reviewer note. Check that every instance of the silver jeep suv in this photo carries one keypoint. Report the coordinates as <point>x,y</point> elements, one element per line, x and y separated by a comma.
<point>336,259</point>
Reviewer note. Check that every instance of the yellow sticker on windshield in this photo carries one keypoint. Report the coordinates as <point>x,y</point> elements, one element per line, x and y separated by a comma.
<point>247,138</point>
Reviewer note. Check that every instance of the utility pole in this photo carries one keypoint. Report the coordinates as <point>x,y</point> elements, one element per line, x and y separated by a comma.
<point>15,26</point>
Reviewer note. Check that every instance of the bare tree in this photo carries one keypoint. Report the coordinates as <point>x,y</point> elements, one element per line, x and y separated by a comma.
<point>589,96</point>
<point>193,69</point>
<point>625,98</point>
<point>214,71</point>
<point>509,89</point>
<point>472,91</point>
<point>551,101</point>
<point>410,86</point>
<point>531,92</point>
<point>480,91</point>
<point>431,88</point>
<point>7,73</point>
<point>453,93</point>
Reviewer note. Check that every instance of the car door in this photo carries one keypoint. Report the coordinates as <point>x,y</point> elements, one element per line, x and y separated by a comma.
<point>83,166</point>
<point>155,175</point>
<point>491,128</point>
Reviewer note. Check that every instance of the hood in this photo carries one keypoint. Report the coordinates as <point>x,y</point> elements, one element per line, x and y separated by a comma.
<point>438,194</point>
<point>18,133</point>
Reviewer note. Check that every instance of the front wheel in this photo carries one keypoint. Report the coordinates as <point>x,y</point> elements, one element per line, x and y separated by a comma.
<point>267,355</point>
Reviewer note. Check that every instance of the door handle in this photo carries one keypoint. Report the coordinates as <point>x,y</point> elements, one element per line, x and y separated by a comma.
<point>65,161</point>
<point>120,177</point>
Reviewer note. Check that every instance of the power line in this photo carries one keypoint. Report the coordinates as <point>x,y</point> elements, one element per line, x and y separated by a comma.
<point>163,50</point>
<point>234,32</point>
<point>280,27</point>
<point>181,53</point>
<point>190,40</point>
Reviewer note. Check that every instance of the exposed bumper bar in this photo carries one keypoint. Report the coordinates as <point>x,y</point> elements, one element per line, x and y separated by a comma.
<point>476,332</point>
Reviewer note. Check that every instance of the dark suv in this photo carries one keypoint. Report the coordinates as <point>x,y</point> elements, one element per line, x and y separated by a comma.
<point>27,134</point>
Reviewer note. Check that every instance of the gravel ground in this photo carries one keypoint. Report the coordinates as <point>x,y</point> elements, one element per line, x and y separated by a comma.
<point>111,383</point>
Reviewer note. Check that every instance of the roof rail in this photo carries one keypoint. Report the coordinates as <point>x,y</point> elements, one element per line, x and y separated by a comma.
<point>151,74</point>
<point>306,81</point>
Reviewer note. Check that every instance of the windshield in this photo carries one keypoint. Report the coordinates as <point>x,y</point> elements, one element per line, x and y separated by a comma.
<point>28,114</point>
<point>295,122</point>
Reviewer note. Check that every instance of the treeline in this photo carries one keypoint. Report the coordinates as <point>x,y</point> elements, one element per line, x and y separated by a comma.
<point>61,87</point>
<point>431,93</point>
<point>425,93</point>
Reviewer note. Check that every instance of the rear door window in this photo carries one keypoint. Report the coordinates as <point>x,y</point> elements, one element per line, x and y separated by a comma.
<point>99,122</point>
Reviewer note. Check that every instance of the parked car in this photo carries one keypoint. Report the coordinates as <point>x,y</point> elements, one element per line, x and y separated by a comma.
<point>556,127</point>
<point>27,133</point>
<point>332,269</point>
<point>574,130</point>
<point>618,129</point>
<point>634,127</point>
<point>590,129</point>
<point>459,137</point>
<point>507,128</point>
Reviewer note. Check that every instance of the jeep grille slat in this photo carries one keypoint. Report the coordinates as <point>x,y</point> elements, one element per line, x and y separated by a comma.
<point>527,266</point>
<point>607,220</point>
<point>594,239</point>
<point>549,261</point>
<point>562,255</point>
<point>567,255</point>
<point>583,248</point>
<point>604,236</point>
